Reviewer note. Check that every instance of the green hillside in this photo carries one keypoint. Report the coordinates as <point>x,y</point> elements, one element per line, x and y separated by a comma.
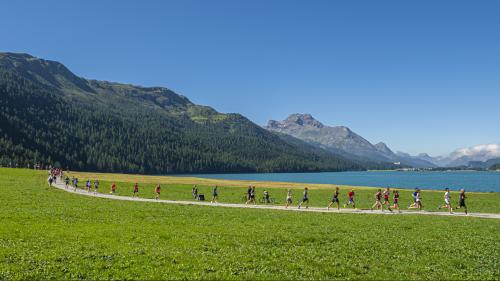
<point>49,115</point>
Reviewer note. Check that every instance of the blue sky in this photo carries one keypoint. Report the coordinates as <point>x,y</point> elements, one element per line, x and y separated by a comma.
<point>422,76</point>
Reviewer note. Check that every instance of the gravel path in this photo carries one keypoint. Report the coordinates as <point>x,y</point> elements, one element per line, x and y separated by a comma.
<point>60,185</point>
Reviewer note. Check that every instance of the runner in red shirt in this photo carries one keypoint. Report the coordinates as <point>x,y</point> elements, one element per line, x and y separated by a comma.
<point>386,194</point>
<point>351,195</point>
<point>157,191</point>
<point>113,188</point>
<point>136,190</point>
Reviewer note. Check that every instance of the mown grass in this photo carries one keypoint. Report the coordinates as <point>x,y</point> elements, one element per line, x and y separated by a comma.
<point>320,195</point>
<point>49,234</point>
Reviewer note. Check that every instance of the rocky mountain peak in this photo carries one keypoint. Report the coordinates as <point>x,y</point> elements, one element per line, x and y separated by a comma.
<point>382,147</point>
<point>341,140</point>
<point>303,120</point>
<point>295,120</point>
<point>273,124</point>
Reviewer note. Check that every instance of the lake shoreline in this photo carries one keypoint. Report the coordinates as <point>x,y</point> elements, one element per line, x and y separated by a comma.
<point>261,183</point>
<point>477,181</point>
<point>200,180</point>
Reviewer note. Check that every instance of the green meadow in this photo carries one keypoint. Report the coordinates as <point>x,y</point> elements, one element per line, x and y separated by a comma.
<point>173,188</point>
<point>47,233</point>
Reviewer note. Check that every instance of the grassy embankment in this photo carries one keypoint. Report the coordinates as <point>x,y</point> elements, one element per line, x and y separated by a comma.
<point>46,233</point>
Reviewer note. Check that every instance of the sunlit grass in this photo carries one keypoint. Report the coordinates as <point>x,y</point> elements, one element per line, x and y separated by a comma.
<point>46,233</point>
<point>234,191</point>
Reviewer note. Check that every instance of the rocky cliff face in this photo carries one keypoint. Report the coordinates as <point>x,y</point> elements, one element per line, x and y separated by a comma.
<point>383,148</point>
<point>305,127</point>
<point>339,139</point>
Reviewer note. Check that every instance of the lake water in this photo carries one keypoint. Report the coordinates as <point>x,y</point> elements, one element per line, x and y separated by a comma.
<point>470,180</point>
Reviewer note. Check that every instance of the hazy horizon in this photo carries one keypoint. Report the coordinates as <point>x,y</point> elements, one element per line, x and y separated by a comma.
<point>419,76</point>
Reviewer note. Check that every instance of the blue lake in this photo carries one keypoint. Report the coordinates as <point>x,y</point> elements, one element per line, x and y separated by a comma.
<point>470,180</point>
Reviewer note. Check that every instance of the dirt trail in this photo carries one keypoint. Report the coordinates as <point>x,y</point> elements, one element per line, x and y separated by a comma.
<point>61,186</point>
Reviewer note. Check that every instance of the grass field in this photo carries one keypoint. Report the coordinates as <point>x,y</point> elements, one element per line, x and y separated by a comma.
<point>179,188</point>
<point>50,234</point>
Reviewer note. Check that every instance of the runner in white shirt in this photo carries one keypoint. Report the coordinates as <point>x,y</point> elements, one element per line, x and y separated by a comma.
<point>447,204</point>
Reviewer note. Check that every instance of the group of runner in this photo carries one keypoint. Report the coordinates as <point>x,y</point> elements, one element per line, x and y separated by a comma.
<point>379,205</point>
<point>55,173</point>
<point>335,199</point>
<point>73,182</point>
<point>447,201</point>
<point>382,198</point>
<point>251,195</point>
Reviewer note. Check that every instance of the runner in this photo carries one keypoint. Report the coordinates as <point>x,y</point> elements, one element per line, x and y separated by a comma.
<point>396,200</point>
<point>136,190</point>
<point>249,194</point>
<point>386,194</point>
<point>75,183</point>
<point>194,192</point>
<point>378,203</point>
<point>88,185</point>
<point>350,201</point>
<point>418,200</point>
<point>267,200</point>
<point>252,196</point>
<point>50,180</point>
<point>288,198</point>
<point>335,199</point>
<point>461,201</point>
<point>157,191</point>
<point>305,198</point>
<point>113,188</point>
<point>96,186</point>
<point>66,182</point>
<point>447,203</point>
<point>414,197</point>
<point>215,194</point>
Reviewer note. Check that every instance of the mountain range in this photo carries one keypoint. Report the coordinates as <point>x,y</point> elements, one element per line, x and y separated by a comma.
<point>487,154</point>
<point>343,141</point>
<point>51,116</point>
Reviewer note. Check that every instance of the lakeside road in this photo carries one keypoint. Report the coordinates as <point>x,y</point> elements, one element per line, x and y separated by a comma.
<point>60,185</point>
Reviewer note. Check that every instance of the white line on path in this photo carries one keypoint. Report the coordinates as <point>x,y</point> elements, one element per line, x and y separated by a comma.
<point>61,186</point>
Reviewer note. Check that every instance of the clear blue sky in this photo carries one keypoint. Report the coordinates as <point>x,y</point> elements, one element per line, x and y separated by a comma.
<point>422,76</point>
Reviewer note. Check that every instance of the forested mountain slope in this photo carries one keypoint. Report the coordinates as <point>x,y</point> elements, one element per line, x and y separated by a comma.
<point>50,115</point>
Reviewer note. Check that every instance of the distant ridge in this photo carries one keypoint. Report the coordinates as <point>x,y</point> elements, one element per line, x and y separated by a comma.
<point>464,156</point>
<point>341,140</point>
